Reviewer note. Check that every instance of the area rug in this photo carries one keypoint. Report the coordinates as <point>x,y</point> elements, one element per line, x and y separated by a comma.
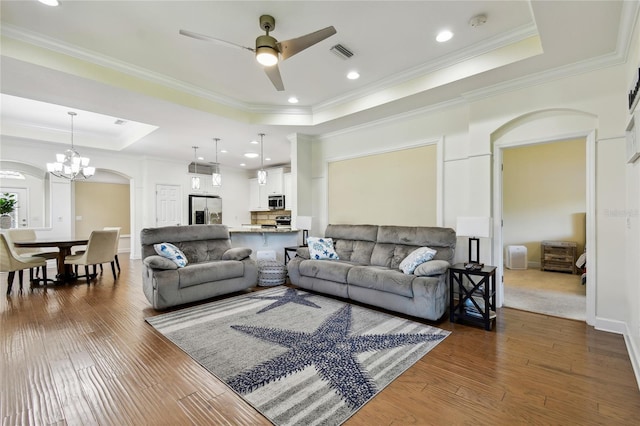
<point>563,305</point>
<point>299,358</point>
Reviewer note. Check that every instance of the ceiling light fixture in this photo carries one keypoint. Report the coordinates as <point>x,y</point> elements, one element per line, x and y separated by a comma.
<point>195,180</point>
<point>353,75</point>
<point>262,173</point>
<point>216,176</point>
<point>50,2</point>
<point>443,36</point>
<point>71,165</point>
<point>293,100</point>
<point>266,50</point>
<point>251,155</point>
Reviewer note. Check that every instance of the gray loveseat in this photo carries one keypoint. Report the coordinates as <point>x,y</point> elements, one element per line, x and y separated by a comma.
<point>213,267</point>
<point>368,268</point>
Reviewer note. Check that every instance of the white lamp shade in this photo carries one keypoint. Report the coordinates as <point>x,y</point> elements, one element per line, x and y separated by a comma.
<point>476,226</point>
<point>303,222</point>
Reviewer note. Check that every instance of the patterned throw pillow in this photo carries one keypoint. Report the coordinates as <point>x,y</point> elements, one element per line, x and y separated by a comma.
<point>171,252</point>
<point>321,248</point>
<point>415,258</point>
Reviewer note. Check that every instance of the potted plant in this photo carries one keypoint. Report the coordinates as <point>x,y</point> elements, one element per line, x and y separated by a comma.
<point>7,206</point>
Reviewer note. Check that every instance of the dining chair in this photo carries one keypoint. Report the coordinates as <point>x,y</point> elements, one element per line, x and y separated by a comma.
<point>27,234</point>
<point>115,247</point>
<point>11,262</point>
<point>99,250</point>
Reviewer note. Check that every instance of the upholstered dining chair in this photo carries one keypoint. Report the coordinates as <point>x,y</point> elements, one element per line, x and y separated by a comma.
<point>11,262</point>
<point>115,247</point>
<point>99,250</point>
<point>27,234</point>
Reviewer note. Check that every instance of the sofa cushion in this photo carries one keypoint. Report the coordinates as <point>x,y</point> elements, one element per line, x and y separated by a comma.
<point>172,253</point>
<point>332,271</point>
<point>207,272</point>
<point>432,267</point>
<point>321,248</point>
<point>355,251</point>
<point>382,279</point>
<point>415,258</point>
<point>159,262</point>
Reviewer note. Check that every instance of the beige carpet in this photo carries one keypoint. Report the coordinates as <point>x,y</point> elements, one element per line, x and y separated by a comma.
<point>552,293</point>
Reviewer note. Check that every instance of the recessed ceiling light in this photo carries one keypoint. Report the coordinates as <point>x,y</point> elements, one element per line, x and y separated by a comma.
<point>251,155</point>
<point>223,151</point>
<point>200,158</point>
<point>50,2</point>
<point>353,75</point>
<point>267,159</point>
<point>254,142</point>
<point>242,164</point>
<point>293,100</point>
<point>444,36</point>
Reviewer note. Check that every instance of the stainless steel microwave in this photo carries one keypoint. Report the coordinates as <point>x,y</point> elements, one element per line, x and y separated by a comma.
<point>276,202</point>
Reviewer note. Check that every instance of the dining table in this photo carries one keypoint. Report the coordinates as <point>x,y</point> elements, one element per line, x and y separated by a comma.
<point>65,273</point>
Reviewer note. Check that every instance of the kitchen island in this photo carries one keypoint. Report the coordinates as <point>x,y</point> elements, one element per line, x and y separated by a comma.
<point>260,239</point>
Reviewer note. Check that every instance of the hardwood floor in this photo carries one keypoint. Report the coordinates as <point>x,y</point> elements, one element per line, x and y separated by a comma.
<point>84,355</point>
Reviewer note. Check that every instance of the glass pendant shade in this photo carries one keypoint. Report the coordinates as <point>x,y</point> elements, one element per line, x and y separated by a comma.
<point>71,165</point>
<point>262,177</point>
<point>216,176</point>
<point>195,180</point>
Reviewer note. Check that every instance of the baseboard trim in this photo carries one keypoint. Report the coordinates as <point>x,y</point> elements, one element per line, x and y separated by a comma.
<point>634,355</point>
<point>611,326</point>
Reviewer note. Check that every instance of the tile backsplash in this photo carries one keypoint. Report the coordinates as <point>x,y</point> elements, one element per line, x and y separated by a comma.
<point>268,217</point>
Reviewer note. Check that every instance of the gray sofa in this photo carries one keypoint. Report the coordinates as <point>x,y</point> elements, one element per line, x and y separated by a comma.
<point>368,268</point>
<point>213,267</point>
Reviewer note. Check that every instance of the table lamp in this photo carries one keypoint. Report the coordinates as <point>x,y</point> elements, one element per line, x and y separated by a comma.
<point>304,223</point>
<point>474,228</point>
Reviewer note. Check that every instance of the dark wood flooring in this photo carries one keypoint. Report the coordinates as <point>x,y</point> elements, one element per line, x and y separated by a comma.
<point>83,355</point>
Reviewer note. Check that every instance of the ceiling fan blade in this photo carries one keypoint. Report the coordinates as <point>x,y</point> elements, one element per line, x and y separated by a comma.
<point>288,48</point>
<point>274,75</point>
<point>213,39</point>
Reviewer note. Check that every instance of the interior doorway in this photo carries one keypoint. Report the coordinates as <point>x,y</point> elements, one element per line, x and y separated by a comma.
<point>544,199</point>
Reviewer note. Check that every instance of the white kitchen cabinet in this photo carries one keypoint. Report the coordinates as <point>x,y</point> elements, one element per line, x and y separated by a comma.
<point>258,198</point>
<point>275,181</point>
<point>288,199</point>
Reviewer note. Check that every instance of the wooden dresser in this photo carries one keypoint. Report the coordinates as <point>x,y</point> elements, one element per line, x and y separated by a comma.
<point>558,256</point>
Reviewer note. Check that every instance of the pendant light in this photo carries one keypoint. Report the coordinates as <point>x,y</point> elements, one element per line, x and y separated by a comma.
<point>195,180</point>
<point>216,176</point>
<point>71,165</point>
<point>262,173</point>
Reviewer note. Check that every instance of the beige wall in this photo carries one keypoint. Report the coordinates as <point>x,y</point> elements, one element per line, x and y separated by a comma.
<point>395,188</point>
<point>544,195</point>
<point>99,205</point>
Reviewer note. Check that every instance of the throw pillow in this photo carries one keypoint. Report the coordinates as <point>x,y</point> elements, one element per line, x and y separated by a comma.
<point>415,258</point>
<point>321,248</point>
<point>171,252</point>
<point>159,262</point>
<point>432,267</point>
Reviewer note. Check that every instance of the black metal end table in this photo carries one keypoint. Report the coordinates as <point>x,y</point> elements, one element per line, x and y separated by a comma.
<point>475,296</point>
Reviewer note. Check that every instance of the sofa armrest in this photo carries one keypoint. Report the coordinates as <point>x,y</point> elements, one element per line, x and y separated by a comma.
<point>303,252</point>
<point>236,253</point>
<point>159,262</point>
<point>432,268</point>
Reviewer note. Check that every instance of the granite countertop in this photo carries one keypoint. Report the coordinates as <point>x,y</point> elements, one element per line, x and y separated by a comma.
<point>259,229</point>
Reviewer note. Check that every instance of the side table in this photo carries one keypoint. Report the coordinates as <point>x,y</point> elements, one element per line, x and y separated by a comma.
<point>476,298</point>
<point>287,256</point>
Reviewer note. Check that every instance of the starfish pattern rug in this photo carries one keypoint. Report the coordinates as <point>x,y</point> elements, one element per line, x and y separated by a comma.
<point>299,358</point>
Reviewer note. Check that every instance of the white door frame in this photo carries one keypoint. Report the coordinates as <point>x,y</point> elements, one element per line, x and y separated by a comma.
<point>498,148</point>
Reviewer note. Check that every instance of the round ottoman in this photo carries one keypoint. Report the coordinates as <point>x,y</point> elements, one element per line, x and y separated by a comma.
<point>271,272</point>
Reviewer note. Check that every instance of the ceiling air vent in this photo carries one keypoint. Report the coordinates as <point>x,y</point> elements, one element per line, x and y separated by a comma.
<point>203,168</point>
<point>341,51</point>
<point>119,122</point>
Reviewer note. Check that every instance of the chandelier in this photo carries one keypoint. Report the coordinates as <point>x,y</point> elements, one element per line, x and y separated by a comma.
<point>71,165</point>
<point>216,176</point>
<point>262,173</point>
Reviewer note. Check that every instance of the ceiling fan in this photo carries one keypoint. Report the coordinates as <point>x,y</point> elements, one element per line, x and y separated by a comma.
<point>270,51</point>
